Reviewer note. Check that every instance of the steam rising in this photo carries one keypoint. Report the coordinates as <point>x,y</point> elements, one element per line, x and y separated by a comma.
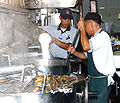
<point>45,40</point>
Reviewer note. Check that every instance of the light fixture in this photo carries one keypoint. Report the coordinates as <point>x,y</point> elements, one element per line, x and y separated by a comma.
<point>118,16</point>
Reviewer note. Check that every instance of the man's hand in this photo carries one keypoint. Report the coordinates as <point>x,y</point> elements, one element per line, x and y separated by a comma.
<point>81,24</point>
<point>71,49</point>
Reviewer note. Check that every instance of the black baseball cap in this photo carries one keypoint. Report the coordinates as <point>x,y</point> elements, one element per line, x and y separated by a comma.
<point>66,13</point>
<point>93,16</point>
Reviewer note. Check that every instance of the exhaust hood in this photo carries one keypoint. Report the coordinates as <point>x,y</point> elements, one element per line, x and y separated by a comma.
<point>50,3</point>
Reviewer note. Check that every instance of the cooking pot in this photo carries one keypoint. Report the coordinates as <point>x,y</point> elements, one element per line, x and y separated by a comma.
<point>50,66</point>
<point>56,66</point>
<point>38,98</point>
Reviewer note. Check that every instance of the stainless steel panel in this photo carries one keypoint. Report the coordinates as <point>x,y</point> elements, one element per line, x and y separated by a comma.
<point>50,3</point>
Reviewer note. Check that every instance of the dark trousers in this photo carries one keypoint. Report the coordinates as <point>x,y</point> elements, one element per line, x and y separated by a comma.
<point>109,91</point>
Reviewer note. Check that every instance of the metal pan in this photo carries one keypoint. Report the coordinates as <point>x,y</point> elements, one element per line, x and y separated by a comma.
<point>38,98</point>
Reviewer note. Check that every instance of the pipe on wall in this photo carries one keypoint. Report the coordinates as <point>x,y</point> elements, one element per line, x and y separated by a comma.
<point>93,5</point>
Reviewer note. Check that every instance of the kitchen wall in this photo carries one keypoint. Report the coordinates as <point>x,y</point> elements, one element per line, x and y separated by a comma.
<point>14,24</point>
<point>16,30</point>
<point>110,12</point>
<point>110,9</point>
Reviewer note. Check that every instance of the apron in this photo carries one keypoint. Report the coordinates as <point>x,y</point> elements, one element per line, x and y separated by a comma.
<point>98,83</point>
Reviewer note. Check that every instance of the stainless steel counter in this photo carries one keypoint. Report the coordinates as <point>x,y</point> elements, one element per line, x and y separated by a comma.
<point>117,63</point>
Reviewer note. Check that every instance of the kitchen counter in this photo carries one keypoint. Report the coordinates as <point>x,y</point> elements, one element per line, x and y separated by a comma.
<point>117,61</point>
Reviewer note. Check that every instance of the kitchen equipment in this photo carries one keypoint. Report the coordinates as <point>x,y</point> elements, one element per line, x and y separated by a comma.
<point>11,92</point>
<point>38,98</point>
<point>52,3</point>
<point>51,67</point>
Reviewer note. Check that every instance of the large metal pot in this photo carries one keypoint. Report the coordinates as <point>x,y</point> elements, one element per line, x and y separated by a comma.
<point>50,67</point>
<point>11,92</point>
<point>38,98</point>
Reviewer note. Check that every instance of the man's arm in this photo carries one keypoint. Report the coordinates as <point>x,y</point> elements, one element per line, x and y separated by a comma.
<point>84,39</point>
<point>57,42</point>
<point>60,43</point>
<point>80,55</point>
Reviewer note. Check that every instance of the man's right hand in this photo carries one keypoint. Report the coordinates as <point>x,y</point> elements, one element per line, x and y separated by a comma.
<point>81,24</point>
<point>71,49</point>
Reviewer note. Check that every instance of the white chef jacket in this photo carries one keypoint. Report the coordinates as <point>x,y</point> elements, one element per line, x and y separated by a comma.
<point>102,53</point>
<point>67,37</point>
